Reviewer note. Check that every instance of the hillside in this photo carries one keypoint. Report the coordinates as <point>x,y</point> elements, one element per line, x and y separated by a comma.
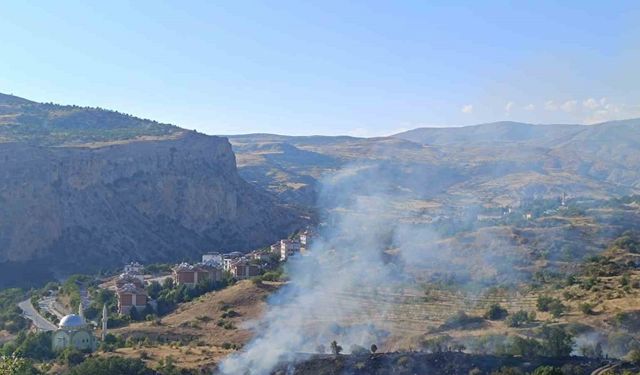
<point>84,189</point>
<point>492,164</point>
<point>22,120</point>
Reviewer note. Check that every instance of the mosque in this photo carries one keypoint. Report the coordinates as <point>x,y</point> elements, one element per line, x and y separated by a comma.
<point>74,332</point>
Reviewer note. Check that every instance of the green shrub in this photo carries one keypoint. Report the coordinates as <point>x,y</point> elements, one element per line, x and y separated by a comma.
<point>496,312</point>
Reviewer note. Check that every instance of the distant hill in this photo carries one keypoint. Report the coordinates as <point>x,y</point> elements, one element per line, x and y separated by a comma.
<point>496,163</point>
<point>84,189</point>
<point>22,120</point>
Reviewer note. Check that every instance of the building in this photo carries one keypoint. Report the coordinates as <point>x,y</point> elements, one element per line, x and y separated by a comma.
<point>131,296</point>
<point>229,258</point>
<point>242,269</point>
<point>134,268</point>
<point>191,275</point>
<point>305,238</point>
<point>73,332</point>
<point>212,258</point>
<point>130,278</point>
<point>288,248</point>
<point>275,248</point>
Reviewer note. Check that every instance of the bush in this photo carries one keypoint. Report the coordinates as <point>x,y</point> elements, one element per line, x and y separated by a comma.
<point>496,312</point>
<point>111,366</point>
<point>586,308</point>
<point>519,318</point>
<point>71,357</point>
<point>556,308</point>
<point>543,303</point>
<point>16,366</point>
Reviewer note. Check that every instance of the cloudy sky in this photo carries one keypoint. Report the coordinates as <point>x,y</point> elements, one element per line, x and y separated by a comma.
<point>328,67</point>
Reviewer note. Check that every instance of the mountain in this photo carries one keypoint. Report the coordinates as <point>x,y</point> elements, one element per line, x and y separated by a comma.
<point>84,189</point>
<point>489,164</point>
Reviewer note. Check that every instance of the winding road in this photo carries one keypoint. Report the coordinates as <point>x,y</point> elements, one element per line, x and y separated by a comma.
<point>29,312</point>
<point>605,369</point>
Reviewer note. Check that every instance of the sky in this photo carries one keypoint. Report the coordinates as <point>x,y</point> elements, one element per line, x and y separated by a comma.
<point>363,68</point>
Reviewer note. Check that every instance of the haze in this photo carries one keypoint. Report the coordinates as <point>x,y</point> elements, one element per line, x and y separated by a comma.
<point>357,68</point>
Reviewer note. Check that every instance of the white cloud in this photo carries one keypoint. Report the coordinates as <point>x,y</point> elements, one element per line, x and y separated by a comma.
<point>593,104</point>
<point>550,105</point>
<point>529,107</point>
<point>569,105</point>
<point>509,106</point>
<point>467,108</point>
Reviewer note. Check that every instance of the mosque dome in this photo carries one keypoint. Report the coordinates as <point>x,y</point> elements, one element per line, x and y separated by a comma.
<point>72,321</point>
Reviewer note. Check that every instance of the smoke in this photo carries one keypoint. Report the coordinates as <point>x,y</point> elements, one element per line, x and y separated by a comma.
<point>347,287</point>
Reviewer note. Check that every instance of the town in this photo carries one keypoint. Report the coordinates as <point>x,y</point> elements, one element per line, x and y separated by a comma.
<point>131,290</point>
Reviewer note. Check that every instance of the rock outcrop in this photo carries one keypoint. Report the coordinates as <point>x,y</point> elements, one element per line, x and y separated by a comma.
<point>81,209</point>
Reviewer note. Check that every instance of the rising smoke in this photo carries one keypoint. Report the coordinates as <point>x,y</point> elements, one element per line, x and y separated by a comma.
<point>334,294</point>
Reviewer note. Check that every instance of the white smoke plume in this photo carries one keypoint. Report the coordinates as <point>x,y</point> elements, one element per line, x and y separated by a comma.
<point>333,292</point>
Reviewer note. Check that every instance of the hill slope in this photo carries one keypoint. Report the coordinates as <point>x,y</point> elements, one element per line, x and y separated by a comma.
<point>86,189</point>
<point>497,164</point>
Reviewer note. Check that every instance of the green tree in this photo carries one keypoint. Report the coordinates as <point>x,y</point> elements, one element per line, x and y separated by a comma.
<point>556,342</point>
<point>496,312</point>
<point>13,365</point>
<point>134,314</point>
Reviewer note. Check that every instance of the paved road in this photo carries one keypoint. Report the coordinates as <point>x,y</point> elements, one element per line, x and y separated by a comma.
<point>50,304</point>
<point>606,369</point>
<point>29,312</point>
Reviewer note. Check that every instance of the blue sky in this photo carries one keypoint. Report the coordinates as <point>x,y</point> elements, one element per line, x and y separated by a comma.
<point>328,67</point>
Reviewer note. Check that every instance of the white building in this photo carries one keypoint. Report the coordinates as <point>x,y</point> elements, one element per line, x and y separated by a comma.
<point>210,258</point>
<point>73,332</point>
<point>288,248</point>
<point>134,268</point>
<point>230,258</point>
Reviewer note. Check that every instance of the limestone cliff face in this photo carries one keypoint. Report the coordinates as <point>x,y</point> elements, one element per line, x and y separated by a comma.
<point>78,209</point>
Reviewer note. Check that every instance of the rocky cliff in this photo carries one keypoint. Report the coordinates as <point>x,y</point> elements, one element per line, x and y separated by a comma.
<point>81,208</point>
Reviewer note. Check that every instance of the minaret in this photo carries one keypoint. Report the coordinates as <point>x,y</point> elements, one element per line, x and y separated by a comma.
<point>105,319</point>
<point>80,311</point>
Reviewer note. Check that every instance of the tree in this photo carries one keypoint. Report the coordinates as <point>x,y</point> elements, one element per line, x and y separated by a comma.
<point>556,308</point>
<point>154,289</point>
<point>374,348</point>
<point>496,312</point>
<point>133,313</point>
<point>335,348</point>
<point>320,349</point>
<point>13,365</point>
<point>556,342</point>
<point>543,303</point>
<point>71,357</point>
<point>517,319</point>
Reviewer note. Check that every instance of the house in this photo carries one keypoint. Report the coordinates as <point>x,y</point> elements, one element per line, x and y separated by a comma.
<point>275,248</point>
<point>212,258</point>
<point>242,269</point>
<point>191,275</point>
<point>305,238</point>
<point>229,258</point>
<point>288,248</point>
<point>131,296</point>
<point>134,268</point>
<point>129,278</point>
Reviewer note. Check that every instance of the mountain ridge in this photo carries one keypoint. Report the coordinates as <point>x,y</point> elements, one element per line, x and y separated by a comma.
<point>82,190</point>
